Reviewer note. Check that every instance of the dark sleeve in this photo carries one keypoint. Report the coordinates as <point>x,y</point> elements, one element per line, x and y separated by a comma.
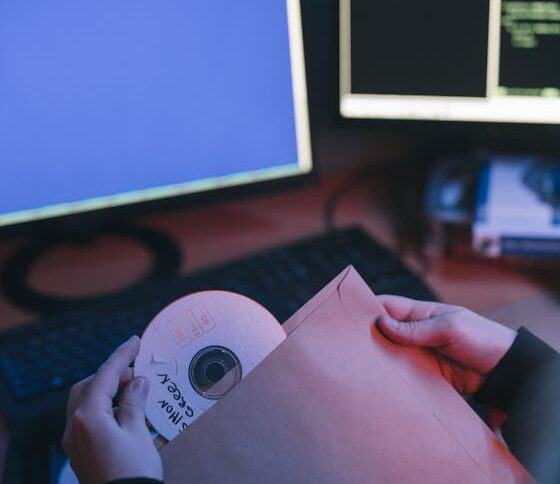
<point>526,386</point>
<point>136,480</point>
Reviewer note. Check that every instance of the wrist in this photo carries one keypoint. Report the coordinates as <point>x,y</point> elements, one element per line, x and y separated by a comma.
<point>526,356</point>
<point>505,337</point>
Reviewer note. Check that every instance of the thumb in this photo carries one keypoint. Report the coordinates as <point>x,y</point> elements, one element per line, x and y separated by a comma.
<point>132,403</point>
<point>426,332</point>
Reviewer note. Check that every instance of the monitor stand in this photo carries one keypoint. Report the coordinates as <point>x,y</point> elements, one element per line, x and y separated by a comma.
<point>17,269</point>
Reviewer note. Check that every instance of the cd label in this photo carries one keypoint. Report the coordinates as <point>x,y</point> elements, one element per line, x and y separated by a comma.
<point>196,350</point>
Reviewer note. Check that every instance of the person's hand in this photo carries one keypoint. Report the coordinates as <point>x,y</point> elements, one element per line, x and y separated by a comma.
<point>105,443</point>
<point>467,346</point>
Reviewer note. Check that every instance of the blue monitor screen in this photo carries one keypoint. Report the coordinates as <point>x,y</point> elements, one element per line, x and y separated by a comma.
<point>106,102</point>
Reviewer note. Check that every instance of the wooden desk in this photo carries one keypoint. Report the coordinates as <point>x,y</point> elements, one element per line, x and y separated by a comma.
<point>223,231</point>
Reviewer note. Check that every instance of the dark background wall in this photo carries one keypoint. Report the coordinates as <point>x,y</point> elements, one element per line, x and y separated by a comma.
<point>342,143</point>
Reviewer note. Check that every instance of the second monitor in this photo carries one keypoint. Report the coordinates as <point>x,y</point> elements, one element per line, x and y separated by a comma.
<point>483,61</point>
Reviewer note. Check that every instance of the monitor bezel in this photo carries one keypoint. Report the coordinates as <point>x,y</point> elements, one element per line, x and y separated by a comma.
<point>359,106</point>
<point>95,220</point>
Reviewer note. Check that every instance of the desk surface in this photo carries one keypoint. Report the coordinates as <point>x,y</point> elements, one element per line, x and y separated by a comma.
<point>223,231</point>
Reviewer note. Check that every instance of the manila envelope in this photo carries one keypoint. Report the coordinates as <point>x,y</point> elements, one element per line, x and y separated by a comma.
<point>338,403</point>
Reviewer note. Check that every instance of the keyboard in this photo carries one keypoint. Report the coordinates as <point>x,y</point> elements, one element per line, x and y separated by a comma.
<point>41,360</point>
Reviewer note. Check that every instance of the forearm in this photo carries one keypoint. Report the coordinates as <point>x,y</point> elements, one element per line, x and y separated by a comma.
<point>526,386</point>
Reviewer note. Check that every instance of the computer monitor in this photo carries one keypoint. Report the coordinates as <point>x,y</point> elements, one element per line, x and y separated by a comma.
<point>485,61</point>
<point>107,105</point>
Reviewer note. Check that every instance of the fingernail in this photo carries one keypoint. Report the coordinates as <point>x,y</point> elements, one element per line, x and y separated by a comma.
<point>130,340</point>
<point>389,321</point>
<point>139,385</point>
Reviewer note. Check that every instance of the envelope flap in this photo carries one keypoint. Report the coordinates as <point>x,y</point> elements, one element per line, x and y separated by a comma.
<point>316,301</point>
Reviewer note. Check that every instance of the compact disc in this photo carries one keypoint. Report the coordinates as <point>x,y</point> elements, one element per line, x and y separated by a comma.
<point>196,350</point>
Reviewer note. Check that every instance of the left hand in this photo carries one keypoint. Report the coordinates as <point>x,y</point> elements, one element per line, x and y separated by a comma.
<point>106,443</point>
<point>467,346</point>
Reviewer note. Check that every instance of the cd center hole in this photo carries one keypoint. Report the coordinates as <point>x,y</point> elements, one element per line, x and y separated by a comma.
<point>215,372</point>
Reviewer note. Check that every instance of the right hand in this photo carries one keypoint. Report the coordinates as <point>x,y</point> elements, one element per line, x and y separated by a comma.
<point>467,346</point>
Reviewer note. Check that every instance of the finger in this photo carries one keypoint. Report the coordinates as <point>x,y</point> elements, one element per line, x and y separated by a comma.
<point>132,403</point>
<point>77,391</point>
<point>76,396</point>
<point>126,377</point>
<point>428,332</point>
<point>406,309</point>
<point>105,384</point>
<point>124,380</point>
